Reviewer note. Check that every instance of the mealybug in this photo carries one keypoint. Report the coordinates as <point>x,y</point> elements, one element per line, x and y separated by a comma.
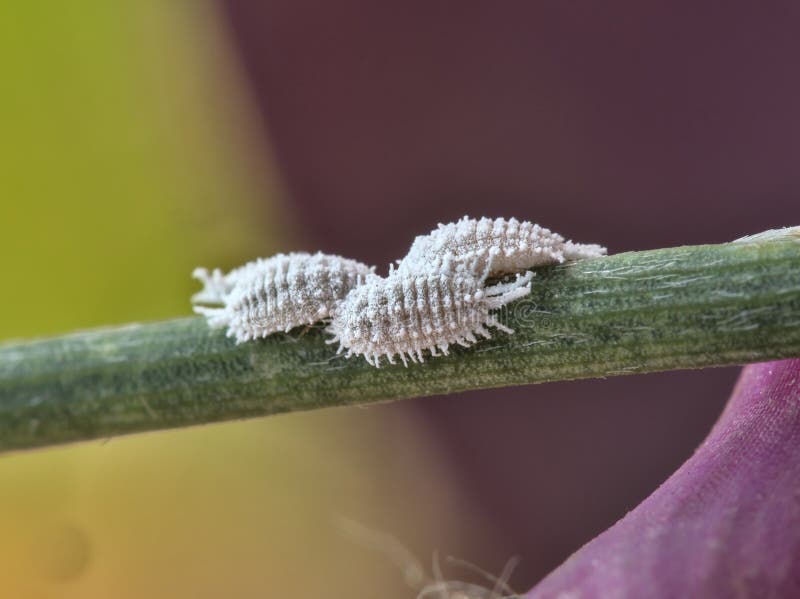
<point>277,293</point>
<point>408,313</point>
<point>513,245</point>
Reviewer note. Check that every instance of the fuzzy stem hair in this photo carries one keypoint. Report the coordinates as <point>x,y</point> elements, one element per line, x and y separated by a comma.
<point>686,307</point>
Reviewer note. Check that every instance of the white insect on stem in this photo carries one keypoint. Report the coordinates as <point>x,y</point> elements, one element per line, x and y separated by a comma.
<point>513,245</point>
<point>435,298</point>
<point>409,313</point>
<point>277,293</point>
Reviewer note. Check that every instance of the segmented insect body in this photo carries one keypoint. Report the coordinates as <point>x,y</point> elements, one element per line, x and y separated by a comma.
<point>277,293</point>
<point>512,245</point>
<point>406,314</point>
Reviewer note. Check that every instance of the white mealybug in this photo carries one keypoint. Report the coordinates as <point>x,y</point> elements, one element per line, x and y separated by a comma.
<point>512,245</point>
<point>408,313</point>
<point>277,293</point>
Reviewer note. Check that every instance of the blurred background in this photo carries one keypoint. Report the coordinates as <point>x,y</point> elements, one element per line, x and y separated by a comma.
<point>141,139</point>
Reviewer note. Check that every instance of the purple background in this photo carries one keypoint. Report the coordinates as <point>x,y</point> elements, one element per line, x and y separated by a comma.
<point>637,125</point>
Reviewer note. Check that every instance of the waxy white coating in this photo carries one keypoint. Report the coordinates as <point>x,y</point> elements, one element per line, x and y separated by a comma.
<point>514,246</point>
<point>408,314</point>
<point>277,293</point>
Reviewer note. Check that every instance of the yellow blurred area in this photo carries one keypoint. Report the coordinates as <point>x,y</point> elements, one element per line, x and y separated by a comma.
<point>126,159</point>
<point>241,510</point>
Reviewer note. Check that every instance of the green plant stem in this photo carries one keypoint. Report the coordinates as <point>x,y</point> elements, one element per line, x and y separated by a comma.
<point>686,307</point>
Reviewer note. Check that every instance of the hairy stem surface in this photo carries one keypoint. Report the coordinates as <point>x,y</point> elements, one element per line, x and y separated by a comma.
<point>686,307</point>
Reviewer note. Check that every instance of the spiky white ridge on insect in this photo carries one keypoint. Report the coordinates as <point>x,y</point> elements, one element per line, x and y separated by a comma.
<point>277,293</point>
<point>409,313</point>
<point>514,246</point>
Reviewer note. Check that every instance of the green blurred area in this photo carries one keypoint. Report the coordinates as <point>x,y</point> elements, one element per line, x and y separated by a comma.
<point>127,159</point>
<point>123,162</point>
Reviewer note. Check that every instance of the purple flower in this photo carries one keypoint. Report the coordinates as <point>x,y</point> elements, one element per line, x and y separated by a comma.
<point>726,524</point>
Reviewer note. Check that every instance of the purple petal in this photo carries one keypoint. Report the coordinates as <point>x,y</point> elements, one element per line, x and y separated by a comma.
<point>726,524</point>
